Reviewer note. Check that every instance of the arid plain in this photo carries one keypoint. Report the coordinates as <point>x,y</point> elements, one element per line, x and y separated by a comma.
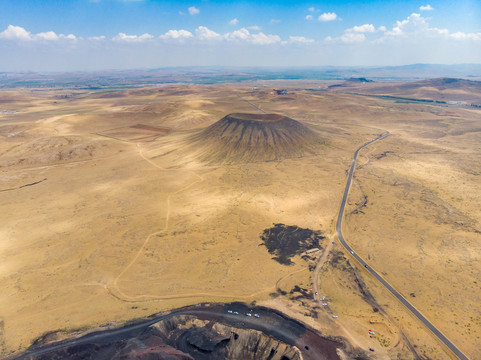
<point>116,205</point>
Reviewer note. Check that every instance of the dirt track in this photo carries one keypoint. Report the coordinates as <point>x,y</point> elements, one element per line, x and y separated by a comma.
<point>273,323</point>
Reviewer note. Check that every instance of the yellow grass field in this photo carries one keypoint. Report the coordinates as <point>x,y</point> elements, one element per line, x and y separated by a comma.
<point>109,212</point>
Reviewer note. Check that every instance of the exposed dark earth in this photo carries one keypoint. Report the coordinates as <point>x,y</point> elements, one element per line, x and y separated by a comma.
<point>286,241</point>
<point>206,331</point>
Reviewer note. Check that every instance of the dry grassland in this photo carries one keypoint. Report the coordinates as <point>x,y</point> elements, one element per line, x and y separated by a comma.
<point>130,221</point>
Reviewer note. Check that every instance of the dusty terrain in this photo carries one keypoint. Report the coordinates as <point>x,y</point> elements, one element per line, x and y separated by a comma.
<point>116,205</point>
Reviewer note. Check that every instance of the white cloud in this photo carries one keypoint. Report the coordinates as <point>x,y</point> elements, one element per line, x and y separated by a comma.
<point>145,36</point>
<point>414,28</point>
<point>308,17</point>
<point>300,39</point>
<point>436,31</point>
<point>426,8</point>
<point>352,37</point>
<point>203,33</point>
<point>234,21</point>
<point>356,33</point>
<point>329,16</point>
<point>263,39</point>
<point>193,10</point>
<point>49,35</point>
<point>466,36</point>
<point>68,37</point>
<point>132,38</point>
<point>241,34</point>
<point>52,36</point>
<point>366,28</point>
<point>177,35</point>
<point>13,32</point>
<point>311,9</point>
<point>124,37</point>
<point>258,38</point>
<point>275,21</point>
<point>416,25</point>
<point>413,23</point>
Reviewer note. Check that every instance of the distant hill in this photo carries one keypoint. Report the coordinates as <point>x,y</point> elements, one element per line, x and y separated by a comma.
<point>441,89</point>
<point>447,83</point>
<point>351,81</point>
<point>416,72</point>
<point>359,80</point>
<point>125,79</point>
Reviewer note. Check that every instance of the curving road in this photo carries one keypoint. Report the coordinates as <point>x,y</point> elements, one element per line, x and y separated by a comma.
<point>393,291</point>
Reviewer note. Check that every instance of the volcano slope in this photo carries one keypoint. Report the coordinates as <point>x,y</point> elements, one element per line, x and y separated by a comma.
<point>244,137</point>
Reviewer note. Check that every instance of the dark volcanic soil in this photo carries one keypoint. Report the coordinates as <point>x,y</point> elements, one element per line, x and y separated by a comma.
<point>285,241</point>
<point>243,137</point>
<point>203,332</point>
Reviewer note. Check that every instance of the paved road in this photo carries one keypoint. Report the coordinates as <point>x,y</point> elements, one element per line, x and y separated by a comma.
<point>393,291</point>
<point>251,104</point>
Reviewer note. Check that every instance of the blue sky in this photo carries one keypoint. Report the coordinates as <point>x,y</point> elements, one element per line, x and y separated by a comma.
<point>112,34</point>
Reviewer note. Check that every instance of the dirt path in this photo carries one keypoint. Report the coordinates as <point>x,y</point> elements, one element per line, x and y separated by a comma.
<point>315,281</point>
<point>147,159</point>
<point>114,285</point>
<point>114,290</point>
<point>319,265</point>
